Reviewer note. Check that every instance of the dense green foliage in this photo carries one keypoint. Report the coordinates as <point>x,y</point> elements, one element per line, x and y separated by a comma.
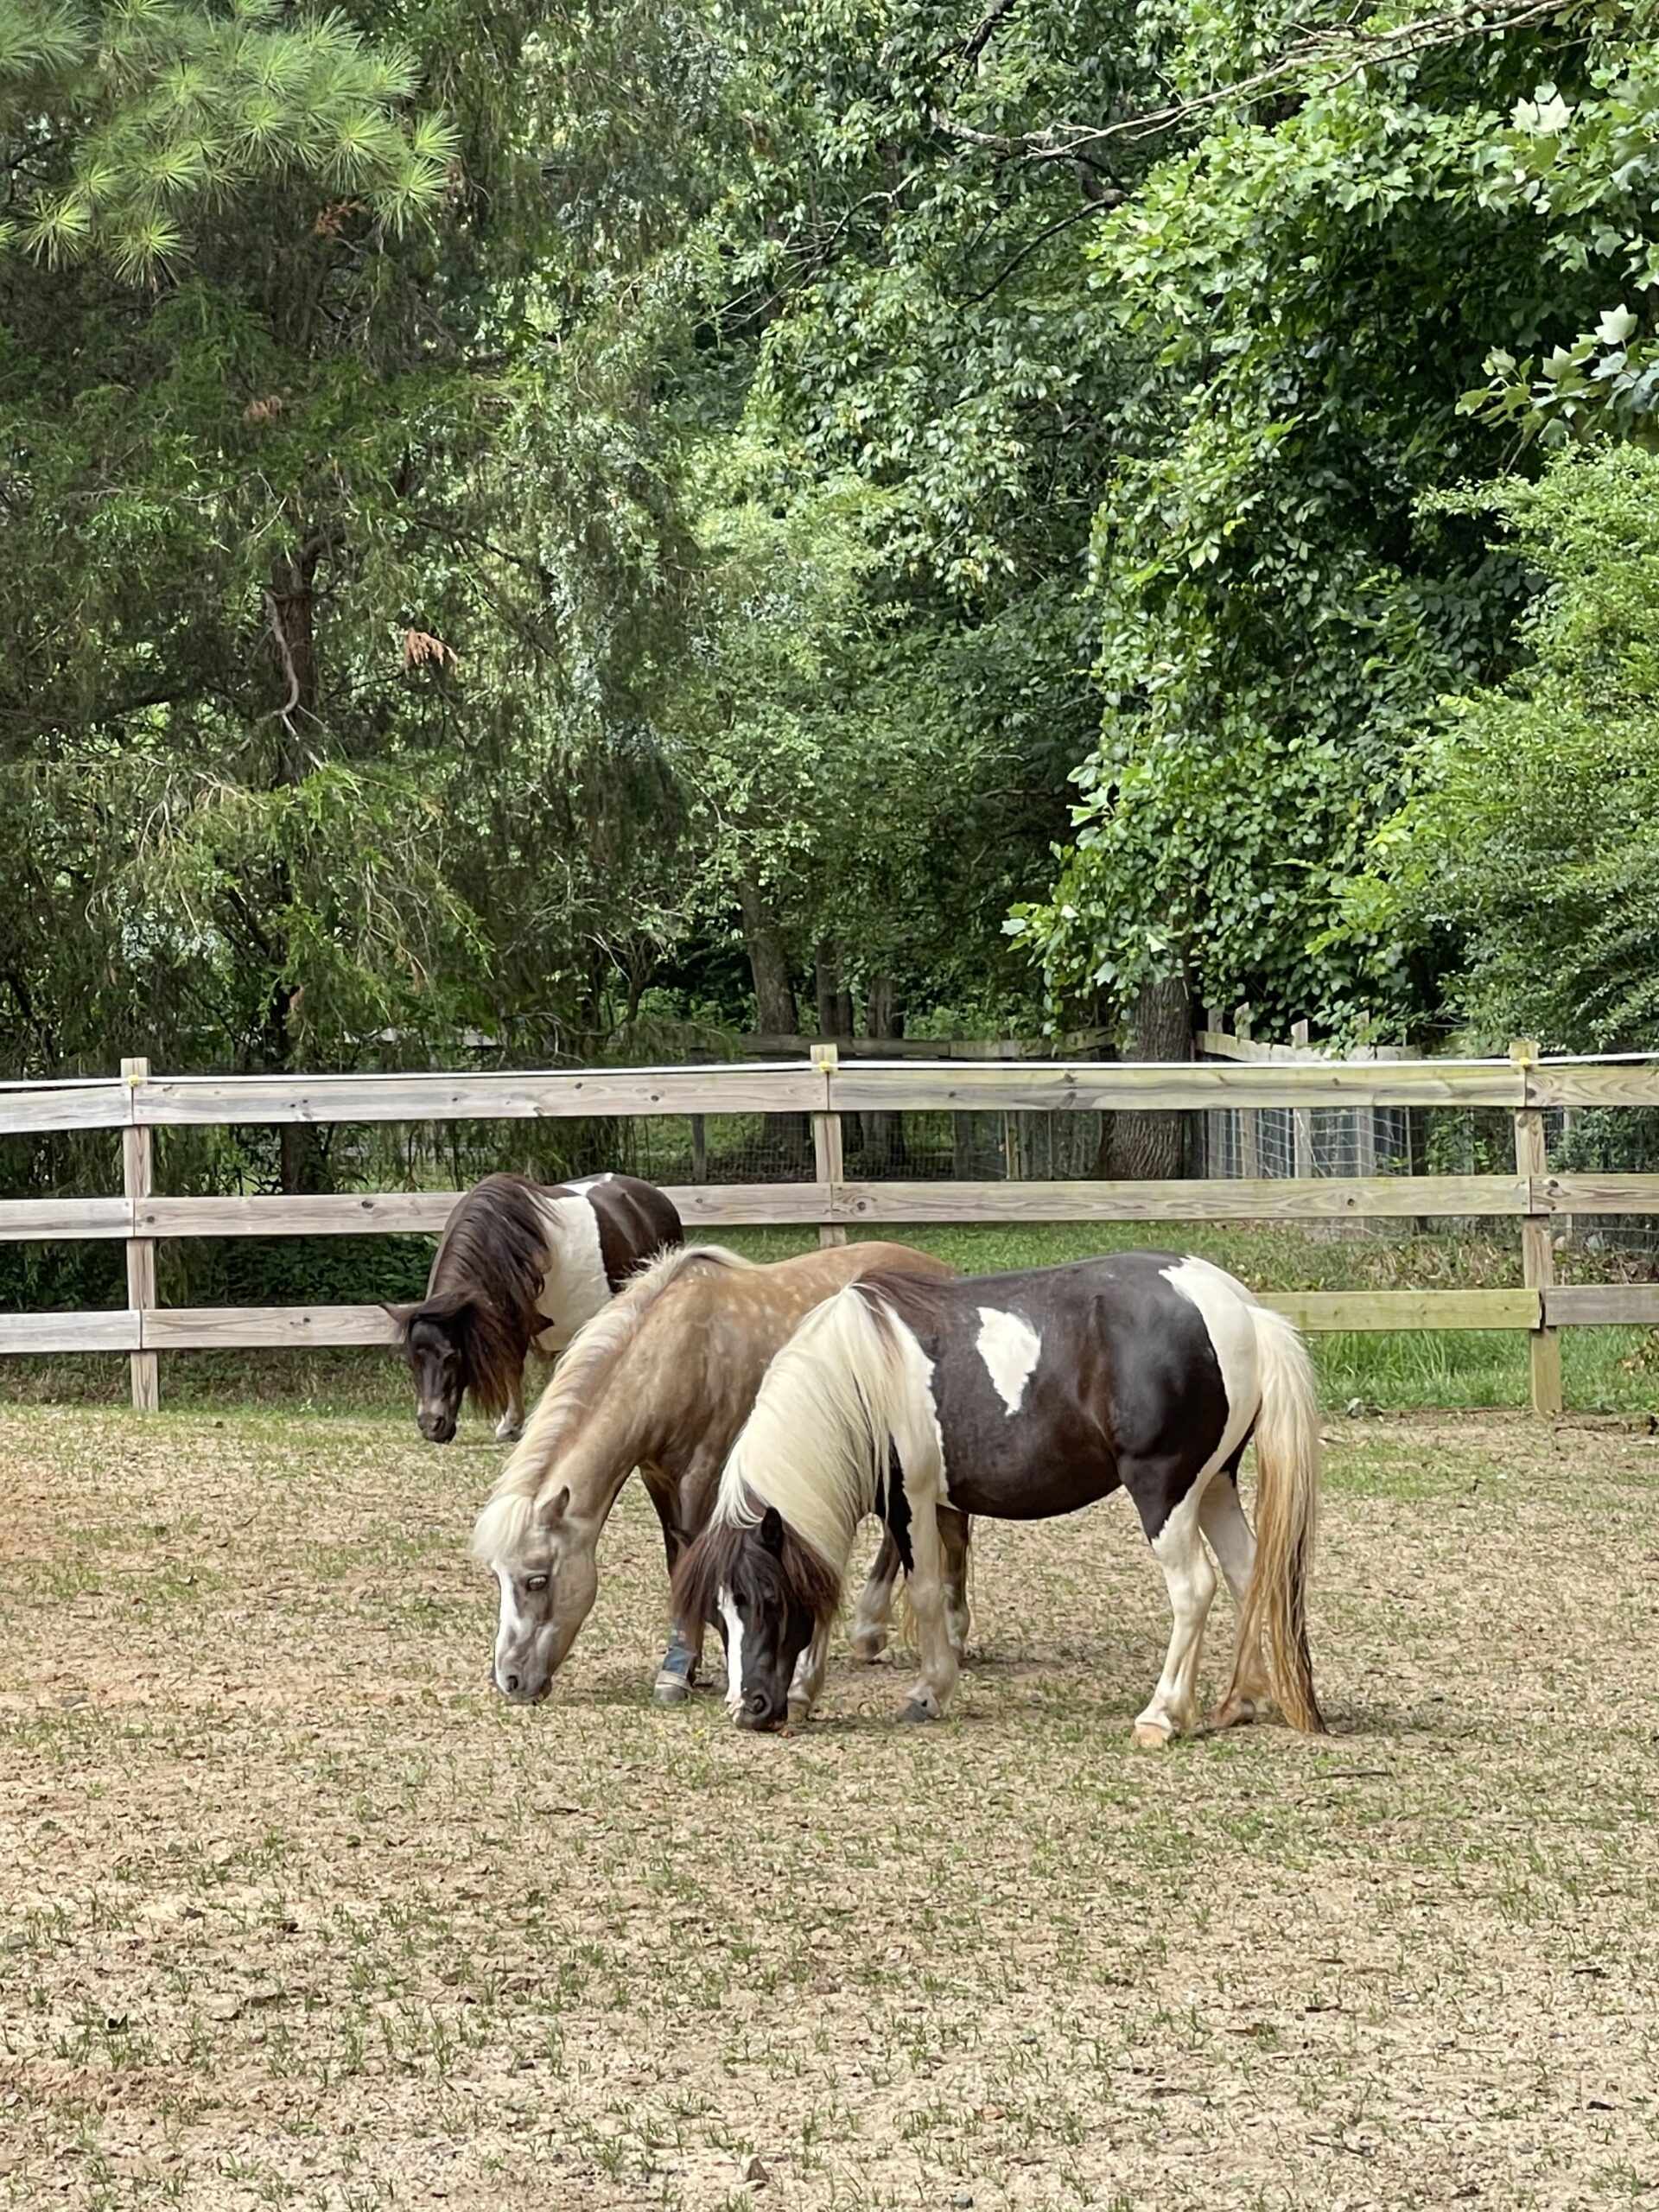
<point>1280,603</point>
<point>604,526</point>
<point>1527,852</point>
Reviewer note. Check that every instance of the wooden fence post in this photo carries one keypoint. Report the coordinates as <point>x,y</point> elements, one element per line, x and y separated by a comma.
<point>827,1163</point>
<point>1249,1141</point>
<point>1301,1120</point>
<point>138,1181</point>
<point>1537,1250</point>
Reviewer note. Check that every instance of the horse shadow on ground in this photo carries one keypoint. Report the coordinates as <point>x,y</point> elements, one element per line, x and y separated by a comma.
<point>1034,1690</point>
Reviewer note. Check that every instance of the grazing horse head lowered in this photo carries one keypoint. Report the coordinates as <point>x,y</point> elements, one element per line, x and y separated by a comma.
<point>662,1380</point>
<point>454,1342</point>
<point>548,1577</point>
<point>521,1263</point>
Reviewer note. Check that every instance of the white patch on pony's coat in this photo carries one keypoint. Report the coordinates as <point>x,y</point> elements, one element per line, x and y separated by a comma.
<point>592,1182</point>
<point>575,1287</point>
<point>1010,1349</point>
<point>733,1624</point>
<point>1224,1307</point>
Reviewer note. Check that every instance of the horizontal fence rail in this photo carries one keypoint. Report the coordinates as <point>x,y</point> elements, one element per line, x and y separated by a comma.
<point>823,1090</point>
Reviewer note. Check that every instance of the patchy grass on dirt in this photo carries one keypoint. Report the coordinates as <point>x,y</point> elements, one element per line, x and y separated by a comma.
<point>296,1911</point>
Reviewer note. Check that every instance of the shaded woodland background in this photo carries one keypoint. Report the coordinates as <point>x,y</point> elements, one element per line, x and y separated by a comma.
<point>603,528</point>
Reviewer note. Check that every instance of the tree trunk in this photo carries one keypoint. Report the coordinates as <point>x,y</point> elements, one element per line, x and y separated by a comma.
<point>884,1134</point>
<point>289,614</point>
<point>828,978</point>
<point>1150,1147</point>
<point>775,1013</point>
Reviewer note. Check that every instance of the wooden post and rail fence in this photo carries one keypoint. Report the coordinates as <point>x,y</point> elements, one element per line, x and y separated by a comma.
<point>137,1104</point>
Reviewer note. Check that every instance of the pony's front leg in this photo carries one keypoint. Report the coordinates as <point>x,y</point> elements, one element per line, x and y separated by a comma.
<point>1178,1548</point>
<point>510,1426</point>
<point>872,1621</point>
<point>1233,1541</point>
<point>678,1670</point>
<point>940,1665</point>
<point>804,1690</point>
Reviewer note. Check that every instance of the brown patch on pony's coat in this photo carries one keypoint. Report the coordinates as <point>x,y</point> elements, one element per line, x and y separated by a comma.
<point>727,1554</point>
<point>672,1366</point>
<point>484,1284</point>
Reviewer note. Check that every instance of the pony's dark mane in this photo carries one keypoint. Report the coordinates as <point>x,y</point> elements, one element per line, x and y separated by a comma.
<point>485,1280</point>
<point>724,1558</point>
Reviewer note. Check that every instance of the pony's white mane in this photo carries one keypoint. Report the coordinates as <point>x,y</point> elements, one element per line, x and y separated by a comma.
<point>851,1380</point>
<point>510,1509</point>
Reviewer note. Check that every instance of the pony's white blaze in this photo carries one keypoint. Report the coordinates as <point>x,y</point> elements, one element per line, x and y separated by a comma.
<point>575,1287</point>
<point>732,1622</point>
<point>1010,1349</point>
<point>509,1627</point>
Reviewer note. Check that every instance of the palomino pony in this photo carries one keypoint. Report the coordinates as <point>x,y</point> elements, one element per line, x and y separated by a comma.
<point>663,1381</point>
<point>1021,1396</point>
<point>521,1263</point>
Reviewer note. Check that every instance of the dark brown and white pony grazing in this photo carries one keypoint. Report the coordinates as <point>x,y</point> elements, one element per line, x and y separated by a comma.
<point>663,1381</point>
<point>522,1264</point>
<point>1023,1397</point>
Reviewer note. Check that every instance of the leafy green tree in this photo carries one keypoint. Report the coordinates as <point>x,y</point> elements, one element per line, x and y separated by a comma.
<point>1305,293</point>
<point>1526,859</point>
<point>1581,166</point>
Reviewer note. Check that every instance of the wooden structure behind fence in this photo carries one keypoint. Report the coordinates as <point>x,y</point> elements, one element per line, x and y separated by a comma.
<point>136,1103</point>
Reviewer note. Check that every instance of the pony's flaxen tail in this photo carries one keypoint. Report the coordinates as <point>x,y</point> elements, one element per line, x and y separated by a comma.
<point>1287,1513</point>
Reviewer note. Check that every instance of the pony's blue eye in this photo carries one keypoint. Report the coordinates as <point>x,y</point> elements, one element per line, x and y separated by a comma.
<point>536,1582</point>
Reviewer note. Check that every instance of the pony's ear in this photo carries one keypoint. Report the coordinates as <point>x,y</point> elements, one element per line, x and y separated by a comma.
<point>772,1530</point>
<point>551,1510</point>
<point>400,1317</point>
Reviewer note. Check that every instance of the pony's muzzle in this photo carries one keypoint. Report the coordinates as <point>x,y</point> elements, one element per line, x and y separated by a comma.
<point>758,1712</point>
<point>436,1427</point>
<point>516,1692</point>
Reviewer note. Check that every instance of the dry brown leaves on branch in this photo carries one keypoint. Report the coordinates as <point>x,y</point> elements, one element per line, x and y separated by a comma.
<point>331,219</point>
<point>423,650</point>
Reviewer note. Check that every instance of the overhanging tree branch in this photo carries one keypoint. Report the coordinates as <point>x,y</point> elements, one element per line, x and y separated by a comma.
<point>1072,142</point>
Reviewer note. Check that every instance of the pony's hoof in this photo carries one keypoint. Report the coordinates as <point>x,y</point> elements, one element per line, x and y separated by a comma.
<point>1237,1713</point>
<point>917,1709</point>
<point>1152,1736</point>
<point>508,1432</point>
<point>867,1649</point>
<point>669,1689</point>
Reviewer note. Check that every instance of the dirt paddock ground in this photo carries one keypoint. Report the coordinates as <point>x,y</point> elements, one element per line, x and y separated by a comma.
<point>296,1911</point>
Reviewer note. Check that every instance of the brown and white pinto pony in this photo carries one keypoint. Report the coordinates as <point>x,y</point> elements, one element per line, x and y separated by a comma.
<point>1021,1396</point>
<point>663,1381</point>
<point>522,1264</point>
